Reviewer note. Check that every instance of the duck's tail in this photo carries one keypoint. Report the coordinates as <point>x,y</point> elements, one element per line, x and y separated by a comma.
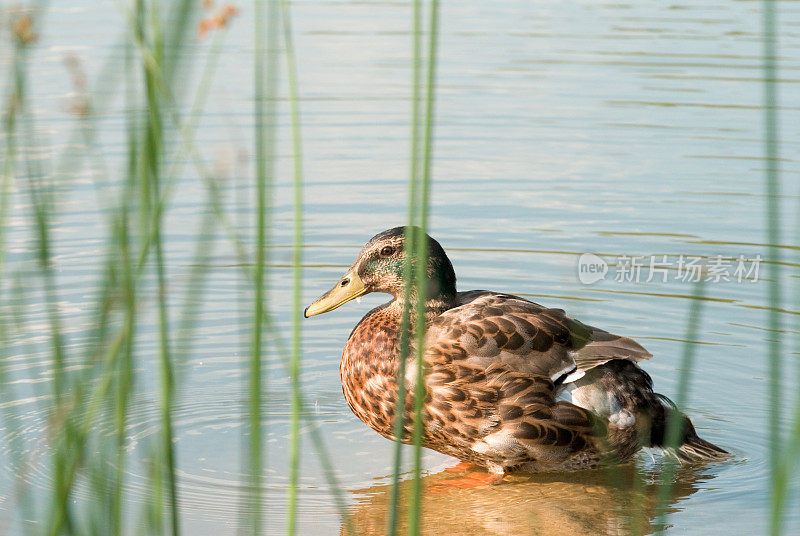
<point>690,447</point>
<point>622,393</point>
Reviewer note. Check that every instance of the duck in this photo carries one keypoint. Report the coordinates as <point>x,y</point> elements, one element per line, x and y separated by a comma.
<point>509,385</point>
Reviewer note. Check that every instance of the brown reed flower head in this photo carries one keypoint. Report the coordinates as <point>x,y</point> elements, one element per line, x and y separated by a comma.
<point>219,19</point>
<point>22,29</point>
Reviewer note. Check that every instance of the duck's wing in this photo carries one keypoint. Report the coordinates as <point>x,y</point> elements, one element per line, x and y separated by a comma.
<point>489,328</point>
<point>504,419</point>
<point>602,346</point>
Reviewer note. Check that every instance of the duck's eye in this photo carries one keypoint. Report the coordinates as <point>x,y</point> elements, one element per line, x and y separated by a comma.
<point>387,250</point>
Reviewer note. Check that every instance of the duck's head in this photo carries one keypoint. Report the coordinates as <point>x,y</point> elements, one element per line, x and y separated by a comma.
<point>380,267</point>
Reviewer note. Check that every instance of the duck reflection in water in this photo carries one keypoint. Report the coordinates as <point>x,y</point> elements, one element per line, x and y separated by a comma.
<point>615,501</point>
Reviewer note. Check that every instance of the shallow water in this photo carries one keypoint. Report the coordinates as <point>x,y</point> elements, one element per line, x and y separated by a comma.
<point>562,128</point>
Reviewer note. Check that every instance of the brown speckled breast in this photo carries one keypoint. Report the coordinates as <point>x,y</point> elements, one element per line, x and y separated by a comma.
<point>368,374</point>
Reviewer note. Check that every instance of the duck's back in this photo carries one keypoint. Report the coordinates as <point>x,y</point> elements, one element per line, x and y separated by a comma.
<point>527,337</point>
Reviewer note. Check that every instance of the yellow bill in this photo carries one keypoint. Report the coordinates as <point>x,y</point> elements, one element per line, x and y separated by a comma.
<point>348,288</point>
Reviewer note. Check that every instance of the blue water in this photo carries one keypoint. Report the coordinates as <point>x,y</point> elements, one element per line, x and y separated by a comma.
<point>620,129</point>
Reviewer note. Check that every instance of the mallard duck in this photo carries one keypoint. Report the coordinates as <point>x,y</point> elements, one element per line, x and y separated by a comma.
<point>497,367</point>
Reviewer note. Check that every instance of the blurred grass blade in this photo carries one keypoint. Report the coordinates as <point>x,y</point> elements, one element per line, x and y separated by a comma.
<point>399,418</point>
<point>297,258</point>
<point>266,72</point>
<point>772,191</point>
<point>415,276</point>
<point>675,420</point>
<point>150,177</point>
<point>415,510</point>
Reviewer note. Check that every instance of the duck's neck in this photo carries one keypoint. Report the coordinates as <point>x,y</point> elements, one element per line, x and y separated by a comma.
<point>439,291</point>
<point>433,307</point>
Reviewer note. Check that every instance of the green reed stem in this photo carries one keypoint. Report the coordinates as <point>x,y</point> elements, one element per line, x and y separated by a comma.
<point>14,109</point>
<point>185,130</point>
<point>415,274</point>
<point>297,259</point>
<point>151,174</point>
<point>790,457</point>
<point>422,255</point>
<point>772,189</point>
<point>399,414</point>
<point>399,418</point>
<point>675,418</point>
<point>266,72</point>
<point>125,371</point>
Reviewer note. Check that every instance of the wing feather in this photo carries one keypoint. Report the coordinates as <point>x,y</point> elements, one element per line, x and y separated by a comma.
<point>528,337</point>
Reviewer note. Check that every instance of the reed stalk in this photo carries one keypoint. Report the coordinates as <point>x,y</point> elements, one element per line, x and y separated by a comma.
<point>415,510</point>
<point>266,72</point>
<point>772,209</point>
<point>297,259</point>
<point>674,421</point>
<point>408,275</point>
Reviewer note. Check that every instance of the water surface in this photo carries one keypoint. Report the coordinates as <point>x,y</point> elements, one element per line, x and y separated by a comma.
<point>629,128</point>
